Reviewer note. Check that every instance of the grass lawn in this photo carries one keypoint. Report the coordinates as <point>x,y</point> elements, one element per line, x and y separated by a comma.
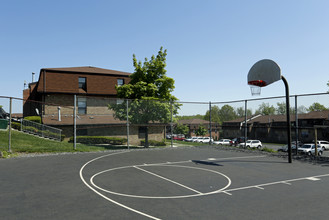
<point>25,143</point>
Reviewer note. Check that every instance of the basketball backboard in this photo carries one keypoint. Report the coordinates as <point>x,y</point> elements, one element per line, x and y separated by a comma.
<point>263,73</point>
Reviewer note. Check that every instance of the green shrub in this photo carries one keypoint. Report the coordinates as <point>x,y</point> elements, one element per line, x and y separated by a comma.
<point>268,150</point>
<point>33,118</point>
<point>99,140</point>
<point>16,125</point>
<point>154,143</point>
<point>31,129</point>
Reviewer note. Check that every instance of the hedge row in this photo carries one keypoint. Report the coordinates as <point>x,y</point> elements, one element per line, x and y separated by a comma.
<point>99,140</point>
<point>33,118</point>
<point>154,143</point>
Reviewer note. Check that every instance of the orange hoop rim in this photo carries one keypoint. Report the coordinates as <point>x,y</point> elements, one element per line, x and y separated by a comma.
<point>259,83</point>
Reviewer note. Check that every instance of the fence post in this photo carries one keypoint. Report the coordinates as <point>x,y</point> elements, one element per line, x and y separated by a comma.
<point>10,111</point>
<point>210,128</point>
<point>296,123</point>
<point>245,122</point>
<point>75,123</point>
<point>171,125</point>
<point>127,104</point>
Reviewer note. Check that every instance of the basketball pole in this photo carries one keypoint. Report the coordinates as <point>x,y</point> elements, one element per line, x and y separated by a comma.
<point>288,118</point>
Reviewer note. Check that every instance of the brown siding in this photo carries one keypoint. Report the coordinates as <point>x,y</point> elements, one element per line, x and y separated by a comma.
<point>69,83</point>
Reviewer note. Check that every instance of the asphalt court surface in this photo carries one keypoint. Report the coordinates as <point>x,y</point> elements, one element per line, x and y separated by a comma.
<point>171,183</point>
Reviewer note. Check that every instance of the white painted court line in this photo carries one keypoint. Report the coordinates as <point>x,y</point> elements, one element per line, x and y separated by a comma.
<point>233,158</point>
<point>107,198</point>
<point>161,197</point>
<point>188,161</point>
<point>259,186</point>
<point>313,179</point>
<point>168,180</point>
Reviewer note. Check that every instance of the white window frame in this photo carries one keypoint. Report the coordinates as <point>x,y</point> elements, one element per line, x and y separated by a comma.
<point>82,105</point>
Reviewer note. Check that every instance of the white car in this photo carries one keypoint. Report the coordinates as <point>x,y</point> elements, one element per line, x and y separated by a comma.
<point>323,144</point>
<point>252,144</point>
<point>309,149</point>
<point>223,142</point>
<point>189,139</point>
<point>206,140</point>
<point>198,139</point>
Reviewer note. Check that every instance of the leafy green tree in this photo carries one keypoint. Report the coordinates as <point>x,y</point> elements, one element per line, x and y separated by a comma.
<point>181,129</point>
<point>214,114</point>
<point>317,107</point>
<point>281,109</point>
<point>227,113</point>
<point>150,90</point>
<point>201,131</point>
<point>240,112</point>
<point>187,117</point>
<point>265,109</point>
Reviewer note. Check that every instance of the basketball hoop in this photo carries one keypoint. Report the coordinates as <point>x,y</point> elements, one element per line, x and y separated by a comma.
<point>255,90</point>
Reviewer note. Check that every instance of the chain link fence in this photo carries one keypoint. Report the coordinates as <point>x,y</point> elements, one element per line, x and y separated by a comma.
<point>76,118</point>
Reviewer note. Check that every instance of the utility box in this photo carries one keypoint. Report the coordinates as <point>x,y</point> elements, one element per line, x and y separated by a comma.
<point>3,123</point>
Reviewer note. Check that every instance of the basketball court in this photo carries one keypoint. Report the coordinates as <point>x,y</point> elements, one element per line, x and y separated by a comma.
<point>171,183</point>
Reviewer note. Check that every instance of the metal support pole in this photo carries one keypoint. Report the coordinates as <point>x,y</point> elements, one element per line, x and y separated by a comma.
<point>245,122</point>
<point>296,123</point>
<point>10,111</point>
<point>316,141</point>
<point>75,123</point>
<point>288,118</point>
<point>127,104</point>
<point>171,126</point>
<point>210,128</point>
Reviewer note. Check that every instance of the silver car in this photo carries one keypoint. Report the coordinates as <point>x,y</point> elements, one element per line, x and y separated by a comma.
<point>309,149</point>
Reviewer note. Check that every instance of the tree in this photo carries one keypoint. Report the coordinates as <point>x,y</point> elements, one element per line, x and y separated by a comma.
<point>265,109</point>
<point>150,90</point>
<point>181,129</point>
<point>240,112</point>
<point>281,109</point>
<point>214,114</point>
<point>227,113</point>
<point>201,131</point>
<point>317,107</point>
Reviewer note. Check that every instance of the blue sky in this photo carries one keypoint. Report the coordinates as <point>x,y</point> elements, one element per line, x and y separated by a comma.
<point>211,45</point>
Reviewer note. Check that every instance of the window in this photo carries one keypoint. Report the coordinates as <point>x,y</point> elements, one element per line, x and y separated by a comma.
<point>82,83</point>
<point>120,82</point>
<point>120,101</point>
<point>82,105</point>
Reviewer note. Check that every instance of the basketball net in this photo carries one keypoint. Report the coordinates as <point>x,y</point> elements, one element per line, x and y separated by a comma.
<point>255,90</point>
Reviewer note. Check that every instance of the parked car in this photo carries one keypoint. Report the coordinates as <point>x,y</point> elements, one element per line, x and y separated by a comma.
<point>285,148</point>
<point>190,139</point>
<point>223,142</point>
<point>199,139</point>
<point>309,149</point>
<point>178,137</point>
<point>237,141</point>
<point>298,142</point>
<point>252,144</point>
<point>206,140</point>
<point>323,144</point>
